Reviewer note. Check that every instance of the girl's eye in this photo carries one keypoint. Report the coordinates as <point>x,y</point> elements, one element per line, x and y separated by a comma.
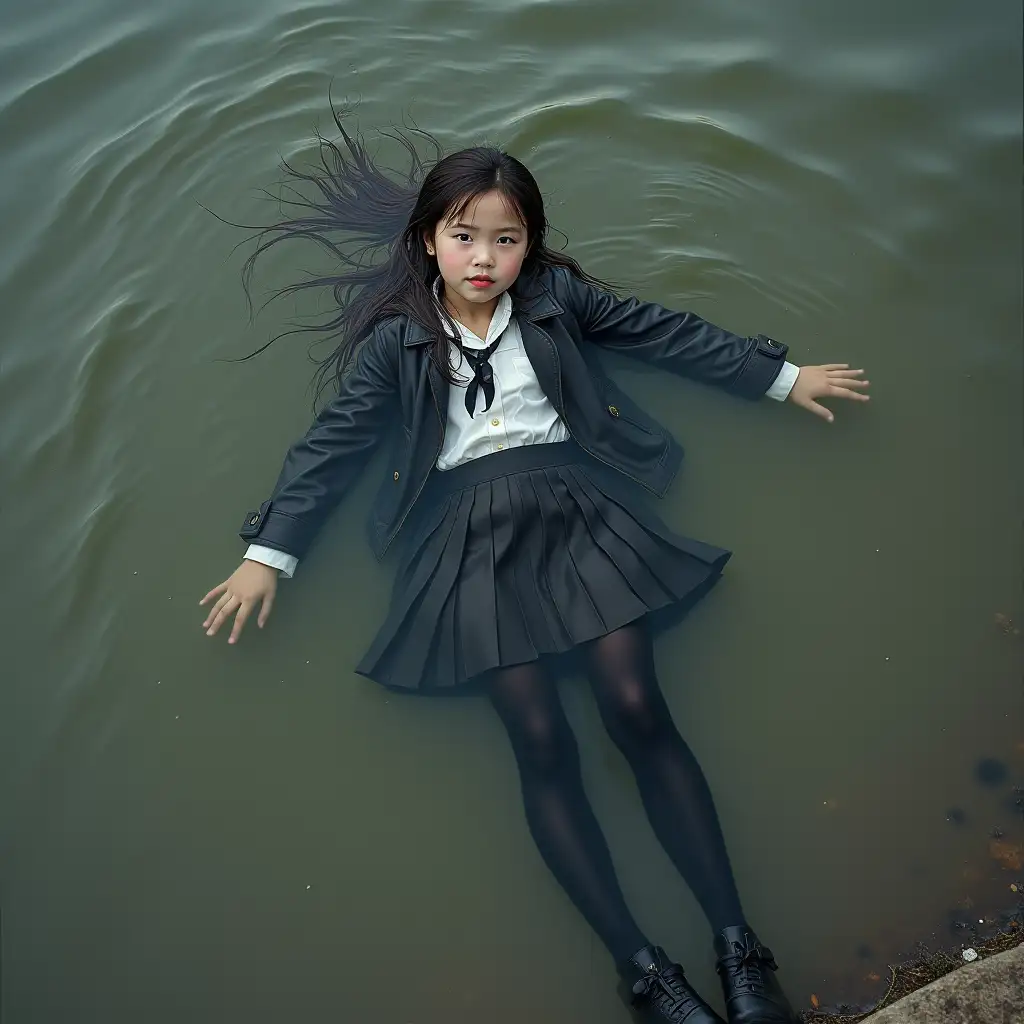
<point>507,239</point>
<point>462,236</point>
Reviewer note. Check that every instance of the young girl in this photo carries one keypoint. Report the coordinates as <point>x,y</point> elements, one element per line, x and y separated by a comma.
<point>515,476</point>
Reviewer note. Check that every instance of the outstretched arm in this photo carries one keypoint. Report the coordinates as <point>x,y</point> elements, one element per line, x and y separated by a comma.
<point>681,343</point>
<point>685,344</point>
<point>317,473</point>
<point>322,467</point>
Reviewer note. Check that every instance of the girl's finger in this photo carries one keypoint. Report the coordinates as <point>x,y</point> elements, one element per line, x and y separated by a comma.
<point>819,410</point>
<point>835,392</point>
<point>835,366</point>
<point>842,383</point>
<point>226,609</point>
<point>215,610</point>
<point>243,614</point>
<point>265,609</point>
<point>216,590</point>
<point>216,617</point>
<point>845,373</point>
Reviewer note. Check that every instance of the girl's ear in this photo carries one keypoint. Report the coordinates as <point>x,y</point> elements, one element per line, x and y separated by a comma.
<point>428,241</point>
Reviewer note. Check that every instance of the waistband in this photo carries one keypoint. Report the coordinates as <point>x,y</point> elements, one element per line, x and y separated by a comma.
<point>498,464</point>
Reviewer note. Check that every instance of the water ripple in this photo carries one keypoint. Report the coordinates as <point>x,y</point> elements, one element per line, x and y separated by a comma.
<point>849,175</point>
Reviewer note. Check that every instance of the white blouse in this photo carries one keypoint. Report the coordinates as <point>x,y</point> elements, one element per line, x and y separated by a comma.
<point>520,414</point>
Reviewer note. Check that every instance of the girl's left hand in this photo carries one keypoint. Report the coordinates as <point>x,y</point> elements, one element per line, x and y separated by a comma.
<point>833,380</point>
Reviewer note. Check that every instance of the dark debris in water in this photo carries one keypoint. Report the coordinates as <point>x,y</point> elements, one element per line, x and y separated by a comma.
<point>1015,803</point>
<point>960,923</point>
<point>925,968</point>
<point>992,772</point>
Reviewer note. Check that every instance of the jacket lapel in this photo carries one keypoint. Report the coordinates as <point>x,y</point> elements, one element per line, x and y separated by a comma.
<point>531,301</point>
<point>439,386</point>
<point>544,358</point>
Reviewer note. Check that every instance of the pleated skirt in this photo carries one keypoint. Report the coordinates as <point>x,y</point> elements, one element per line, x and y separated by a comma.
<point>523,554</point>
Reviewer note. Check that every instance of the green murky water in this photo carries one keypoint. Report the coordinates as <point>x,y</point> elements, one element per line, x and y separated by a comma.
<point>197,833</point>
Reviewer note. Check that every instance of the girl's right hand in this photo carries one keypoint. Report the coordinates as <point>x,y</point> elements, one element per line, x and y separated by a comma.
<point>250,584</point>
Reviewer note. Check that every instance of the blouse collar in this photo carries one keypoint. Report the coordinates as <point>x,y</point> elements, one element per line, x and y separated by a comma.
<point>499,321</point>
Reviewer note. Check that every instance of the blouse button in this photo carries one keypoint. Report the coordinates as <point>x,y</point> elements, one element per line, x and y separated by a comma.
<point>614,410</point>
<point>396,476</point>
<point>500,447</point>
<point>495,423</point>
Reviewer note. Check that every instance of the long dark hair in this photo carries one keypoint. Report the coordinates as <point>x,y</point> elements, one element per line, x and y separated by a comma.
<point>374,225</point>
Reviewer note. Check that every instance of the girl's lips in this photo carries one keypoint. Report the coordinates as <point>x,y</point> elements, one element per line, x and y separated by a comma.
<point>481,282</point>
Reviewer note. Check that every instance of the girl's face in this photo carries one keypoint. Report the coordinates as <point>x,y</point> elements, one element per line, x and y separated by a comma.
<point>480,252</point>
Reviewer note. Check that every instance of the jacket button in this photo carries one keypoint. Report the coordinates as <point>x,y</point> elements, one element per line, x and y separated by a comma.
<point>396,476</point>
<point>255,519</point>
<point>614,410</point>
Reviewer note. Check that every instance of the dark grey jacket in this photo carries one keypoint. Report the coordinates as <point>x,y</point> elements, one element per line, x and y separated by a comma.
<point>393,382</point>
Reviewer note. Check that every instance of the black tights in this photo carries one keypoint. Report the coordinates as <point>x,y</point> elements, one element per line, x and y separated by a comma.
<point>672,786</point>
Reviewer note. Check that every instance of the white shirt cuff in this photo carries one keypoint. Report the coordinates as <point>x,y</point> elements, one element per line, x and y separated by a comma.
<point>275,559</point>
<point>784,382</point>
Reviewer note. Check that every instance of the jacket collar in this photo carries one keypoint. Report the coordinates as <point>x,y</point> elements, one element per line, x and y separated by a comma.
<point>531,300</point>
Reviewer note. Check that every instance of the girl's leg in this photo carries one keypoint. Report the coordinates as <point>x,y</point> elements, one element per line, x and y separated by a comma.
<point>672,786</point>
<point>557,809</point>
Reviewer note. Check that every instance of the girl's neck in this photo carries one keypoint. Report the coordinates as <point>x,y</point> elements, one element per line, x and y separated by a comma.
<point>474,316</point>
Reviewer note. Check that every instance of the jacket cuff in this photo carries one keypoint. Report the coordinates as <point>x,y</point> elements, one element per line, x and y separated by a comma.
<point>274,529</point>
<point>764,364</point>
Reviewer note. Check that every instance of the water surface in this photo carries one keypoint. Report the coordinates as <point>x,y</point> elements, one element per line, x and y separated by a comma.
<point>197,833</point>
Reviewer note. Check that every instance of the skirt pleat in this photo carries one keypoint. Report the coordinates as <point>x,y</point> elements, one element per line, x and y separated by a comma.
<point>513,630</point>
<point>618,553</point>
<point>530,587</point>
<point>524,554</point>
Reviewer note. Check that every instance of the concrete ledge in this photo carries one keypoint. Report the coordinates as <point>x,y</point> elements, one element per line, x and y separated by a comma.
<point>988,991</point>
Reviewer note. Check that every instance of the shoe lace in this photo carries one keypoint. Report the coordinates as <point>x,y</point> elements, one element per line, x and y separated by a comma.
<point>746,967</point>
<point>667,991</point>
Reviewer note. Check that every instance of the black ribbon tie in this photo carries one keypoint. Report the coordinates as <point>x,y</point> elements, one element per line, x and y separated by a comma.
<point>483,375</point>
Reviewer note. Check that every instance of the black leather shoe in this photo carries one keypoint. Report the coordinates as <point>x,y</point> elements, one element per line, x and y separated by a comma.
<point>660,991</point>
<point>747,969</point>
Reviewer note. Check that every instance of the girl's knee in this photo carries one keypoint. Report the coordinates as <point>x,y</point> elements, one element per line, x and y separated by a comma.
<point>544,745</point>
<point>634,718</point>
